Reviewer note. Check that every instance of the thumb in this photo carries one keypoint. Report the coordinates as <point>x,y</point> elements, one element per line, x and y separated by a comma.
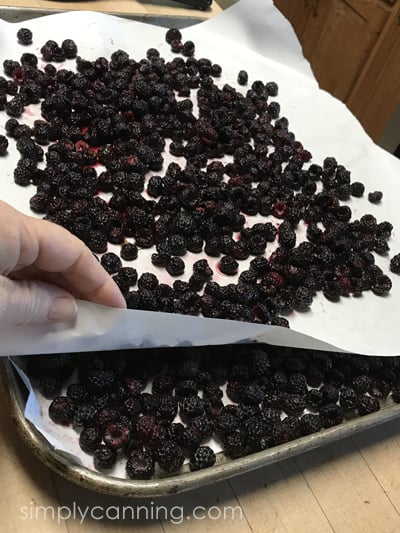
<point>33,302</point>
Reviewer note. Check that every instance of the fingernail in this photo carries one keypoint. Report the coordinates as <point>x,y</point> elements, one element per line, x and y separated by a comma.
<point>62,309</point>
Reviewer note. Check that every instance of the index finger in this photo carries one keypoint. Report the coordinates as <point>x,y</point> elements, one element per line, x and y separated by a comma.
<point>61,252</point>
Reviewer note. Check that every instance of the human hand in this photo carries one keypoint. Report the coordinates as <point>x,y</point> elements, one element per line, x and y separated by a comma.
<point>43,268</point>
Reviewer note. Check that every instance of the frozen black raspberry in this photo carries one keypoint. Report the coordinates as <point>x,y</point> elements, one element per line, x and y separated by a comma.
<point>234,444</point>
<point>191,437</point>
<point>203,457</point>
<point>104,458</point>
<point>50,386</point>
<point>310,423</point>
<point>175,266</point>
<point>228,265</point>
<point>272,88</point>
<point>77,393</point>
<point>24,36</point>
<point>260,362</point>
<point>396,393</point>
<point>203,269</point>
<point>331,415</point>
<point>169,455</point>
<point>167,407</point>
<point>105,415</point>
<point>357,189</point>
<point>280,321</point>
<point>90,439</point>
<point>140,464</point>
<point>348,398</point>
<point>381,285</point>
<point>129,251</point>
<point>147,281</point>
<point>100,381</point>
<point>303,299</point>
<point>330,393</point>
<point>378,388</point>
<point>116,435</point>
<point>188,48</point>
<point>191,406</point>
<point>395,264</point>
<point>243,77</point>
<point>226,423</point>
<point>125,277</point>
<point>173,34</point>
<point>297,383</point>
<point>111,262</point>
<point>286,235</point>
<point>15,107</point>
<point>59,365</point>
<point>375,197</point>
<point>85,414</point>
<point>61,410</point>
<point>47,50</point>
<point>293,404</point>
<point>70,48</point>
<point>361,384</point>
<point>149,430</point>
<point>203,425</point>
<point>176,46</point>
<point>367,405</point>
<point>3,145</point>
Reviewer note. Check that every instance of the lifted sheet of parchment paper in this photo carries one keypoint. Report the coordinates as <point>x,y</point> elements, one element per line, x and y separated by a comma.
<point>254,36</point>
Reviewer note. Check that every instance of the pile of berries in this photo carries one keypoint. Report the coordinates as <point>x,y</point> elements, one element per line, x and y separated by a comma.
<point>159,406</point>
<point>237,158</point>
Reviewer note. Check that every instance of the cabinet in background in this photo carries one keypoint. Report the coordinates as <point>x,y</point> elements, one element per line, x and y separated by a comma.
<point>354,50</point>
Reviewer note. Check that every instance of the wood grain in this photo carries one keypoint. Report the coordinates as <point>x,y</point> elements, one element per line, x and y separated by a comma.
<point>382,454</point>
<point>132,7</point>
<point>377,91</point>
<point>26,487</point>
<point>347,490</point>
<point>337,39</point>
<point>278,498</point>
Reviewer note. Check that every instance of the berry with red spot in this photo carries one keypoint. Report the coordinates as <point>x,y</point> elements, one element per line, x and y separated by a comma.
<point>61,410</point>
<point>116,435</point>
<point>140,464</point>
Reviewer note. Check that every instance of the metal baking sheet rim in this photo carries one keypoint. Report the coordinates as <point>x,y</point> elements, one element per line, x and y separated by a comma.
<point>225,468</point>
<point>17,14</point>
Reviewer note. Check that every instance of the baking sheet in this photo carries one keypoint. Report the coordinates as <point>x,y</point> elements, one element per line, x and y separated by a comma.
<point>163,484</point>
<point>366,325</point>
<point>66,438</point>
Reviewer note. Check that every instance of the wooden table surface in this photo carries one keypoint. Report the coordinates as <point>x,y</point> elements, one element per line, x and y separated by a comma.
<point>349,486</point>
<point>127,7</point>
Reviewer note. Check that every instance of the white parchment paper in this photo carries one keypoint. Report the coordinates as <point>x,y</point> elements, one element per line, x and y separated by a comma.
<point>251,35</point>
<point>66,438</point>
